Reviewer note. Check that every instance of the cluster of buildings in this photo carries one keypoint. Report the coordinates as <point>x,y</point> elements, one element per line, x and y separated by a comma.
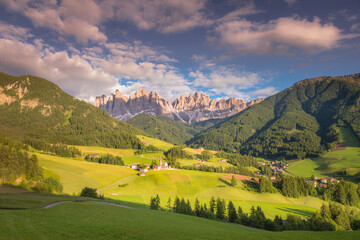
<point>321,182</point>
<point>143,168</point>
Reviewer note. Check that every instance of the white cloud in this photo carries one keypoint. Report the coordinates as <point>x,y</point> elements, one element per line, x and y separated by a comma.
<point>9,31</point>
<point>290,2</point>
<point>264,92</point>
<point>89,72</point>
<point>226,81</point>
<point>165,16</point>
<point>73,18</point>
<point>282,36</point>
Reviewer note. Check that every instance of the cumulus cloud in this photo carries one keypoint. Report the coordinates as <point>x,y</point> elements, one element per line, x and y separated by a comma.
<point>165,16</point>
<point>73,18</point>
<point>89,72</point>
<point>290,2</point>
<point>226,81</point>
<point>282,36</point>
<point>264,92</point>
<point>9,31</point>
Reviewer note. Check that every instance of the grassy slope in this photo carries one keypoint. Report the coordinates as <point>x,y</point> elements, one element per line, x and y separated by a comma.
<point>75,174</point>
<point>202,185</point>
<point>331,162</point>
<point>96,221</point>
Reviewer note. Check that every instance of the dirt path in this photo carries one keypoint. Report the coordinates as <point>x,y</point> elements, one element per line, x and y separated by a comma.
<point>305,201</point>
<point>147,157</point>
<point>108,203</point>
<point>98,191</point>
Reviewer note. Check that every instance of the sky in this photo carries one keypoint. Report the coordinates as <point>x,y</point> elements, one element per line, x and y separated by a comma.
<point>244,49</point>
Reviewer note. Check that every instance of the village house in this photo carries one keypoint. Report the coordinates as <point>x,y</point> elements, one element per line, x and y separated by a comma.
<point>141,173</point>
<point>135,166</point>
<point>93,155</point>
<point>222,160</point>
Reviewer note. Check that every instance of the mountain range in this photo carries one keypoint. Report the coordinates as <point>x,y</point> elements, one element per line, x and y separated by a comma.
<point>301,121</point>
<point>197,107</point>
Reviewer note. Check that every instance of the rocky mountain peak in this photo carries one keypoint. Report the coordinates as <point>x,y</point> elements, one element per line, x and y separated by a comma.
<point>197,107</point>
<point>139,93</point>
<point>119,95</point>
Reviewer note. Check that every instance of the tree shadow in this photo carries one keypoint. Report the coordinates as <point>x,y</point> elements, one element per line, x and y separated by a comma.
<point>225,182</point>
<point>305,213</point>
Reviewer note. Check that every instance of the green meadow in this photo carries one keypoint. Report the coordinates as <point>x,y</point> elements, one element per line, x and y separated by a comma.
<point>123,183</point>
<point>85,220</point>
<point>332,162</point>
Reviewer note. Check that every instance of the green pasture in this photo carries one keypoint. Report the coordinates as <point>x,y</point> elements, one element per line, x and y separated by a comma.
<point>332,162</point>
<point>202,185</point>
<point>75,175</point>
<point>85,220</point>
<point>156,142</point>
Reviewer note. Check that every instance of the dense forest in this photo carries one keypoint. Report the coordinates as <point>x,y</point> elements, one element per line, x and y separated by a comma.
<point>295,123</point>
<point>170,130</point>
<point>36,108</point>
<point>17,165</point>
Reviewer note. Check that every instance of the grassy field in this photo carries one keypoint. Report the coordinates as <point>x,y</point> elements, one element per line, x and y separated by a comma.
<point>332,162</point>
<point>75,174</point>
<point>202,185</point>
<point>86,220</point>
<point>156,142</point>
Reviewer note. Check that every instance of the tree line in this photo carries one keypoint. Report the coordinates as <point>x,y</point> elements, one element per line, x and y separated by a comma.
<point>106,159</point>
<point>332,217</point>
<point>58,149</point>
<point>206,168</point>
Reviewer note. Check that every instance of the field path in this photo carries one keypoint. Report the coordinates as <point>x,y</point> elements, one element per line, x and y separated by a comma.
<point>148,157</point>
<point>98,191</point>
<point>108,203</point>
<point>305,201</point>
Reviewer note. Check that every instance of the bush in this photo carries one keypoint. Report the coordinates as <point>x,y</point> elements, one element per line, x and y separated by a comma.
<point>89,192</point>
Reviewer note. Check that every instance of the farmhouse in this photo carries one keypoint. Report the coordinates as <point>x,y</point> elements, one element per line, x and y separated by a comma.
<point>222,160</point>
<point>141,173</point>
<point>93,156</point>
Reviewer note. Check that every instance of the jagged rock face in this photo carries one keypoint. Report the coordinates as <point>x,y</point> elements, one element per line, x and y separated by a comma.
<point>197,107</point>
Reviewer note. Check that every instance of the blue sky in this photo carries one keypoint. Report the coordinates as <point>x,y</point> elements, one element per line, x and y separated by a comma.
<point>243,49</point>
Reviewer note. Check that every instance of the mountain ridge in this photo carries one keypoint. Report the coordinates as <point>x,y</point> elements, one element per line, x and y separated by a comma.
<point>301,121</point>
<point>193,108</point>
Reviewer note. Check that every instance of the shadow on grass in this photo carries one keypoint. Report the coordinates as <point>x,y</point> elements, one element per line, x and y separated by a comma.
<point>304,213</point>
<point>224,181</point>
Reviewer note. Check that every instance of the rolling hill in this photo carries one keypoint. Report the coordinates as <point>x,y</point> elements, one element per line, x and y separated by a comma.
<point>34,108</point>
<point>300,121</point>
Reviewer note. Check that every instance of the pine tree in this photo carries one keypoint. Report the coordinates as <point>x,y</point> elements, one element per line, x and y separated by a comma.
<point>233,181</point>
<point>197,207</point>
<point>325,211</point>
<point>232,212</point>
<point>220,209</point>
<point>212,205</point>
<point>169,203</point>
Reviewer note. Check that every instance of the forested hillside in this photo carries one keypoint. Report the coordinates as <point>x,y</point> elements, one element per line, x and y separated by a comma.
<point>32,107</point>
<point>297,122</point>
<point>170,130</point>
